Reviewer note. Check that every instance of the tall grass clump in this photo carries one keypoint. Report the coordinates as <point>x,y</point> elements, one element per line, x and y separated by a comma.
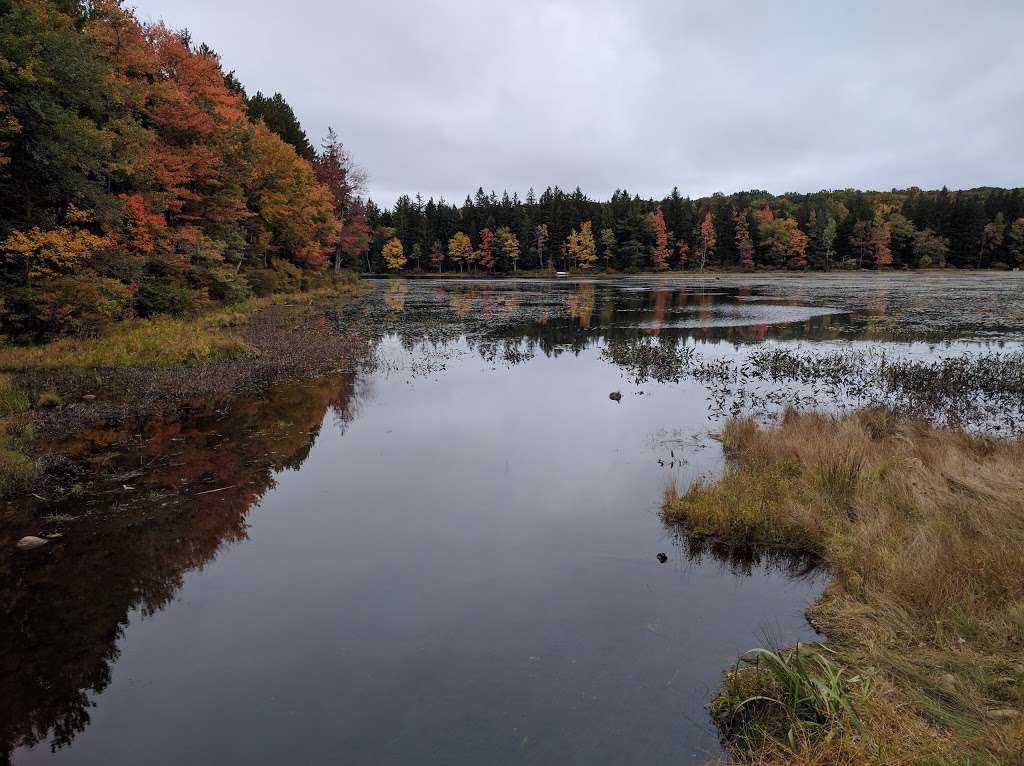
<point>922,529</point>
<point>17,469</point>
<point>786,694</point>
<point>12,399</point>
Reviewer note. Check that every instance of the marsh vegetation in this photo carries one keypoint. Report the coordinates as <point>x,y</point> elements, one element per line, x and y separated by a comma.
<point>921,530</point>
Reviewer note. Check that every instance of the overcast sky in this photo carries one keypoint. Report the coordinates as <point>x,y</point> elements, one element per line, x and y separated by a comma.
<point>443,97</point>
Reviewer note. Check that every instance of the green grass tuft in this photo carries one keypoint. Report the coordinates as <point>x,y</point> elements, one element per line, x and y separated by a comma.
<point>12,399</point>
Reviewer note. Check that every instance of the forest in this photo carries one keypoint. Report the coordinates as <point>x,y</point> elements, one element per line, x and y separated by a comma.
<point>138,178</point>
<point>851,229</point>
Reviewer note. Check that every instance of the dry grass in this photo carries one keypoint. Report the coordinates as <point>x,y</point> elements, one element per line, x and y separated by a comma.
<point>158,342</point>
<point>923,530</point>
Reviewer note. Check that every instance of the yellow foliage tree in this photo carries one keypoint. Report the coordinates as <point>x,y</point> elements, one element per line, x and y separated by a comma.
<point>394,254</point>
<point>298,211</point>
<point>45,253</point>
<point>509,244</point>
<point>582,247</point>
<point>460,249</point>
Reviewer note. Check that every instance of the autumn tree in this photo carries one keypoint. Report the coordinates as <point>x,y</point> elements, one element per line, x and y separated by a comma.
<point>744,244</point>
<point>706,239</point>
<point>540,235</point>
<point>508,245</point>
<point>60,250</point>
<point>394,254</point>
<point>659,250</point>
<point>586,254</point>
<point>336,170</point>
<point>460,249</point>
<point>295,209</point>
<point>354,239</point>
<point>883,249</point>
<point>437,255</point>
<point>188,197</point>
<point>797,248</point>
<point>682,253</point>
<point>485,250</point>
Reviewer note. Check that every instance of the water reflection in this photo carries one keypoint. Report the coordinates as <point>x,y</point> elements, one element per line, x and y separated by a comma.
<point>832,351</point>
<point>167,496</point>
<point>461,569</point>
<point>743,561</point>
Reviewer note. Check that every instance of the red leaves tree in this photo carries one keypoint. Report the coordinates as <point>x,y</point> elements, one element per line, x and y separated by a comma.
<point>486,249</point>
<point>659,250</point>
<point>797,249</point>
<point>337,171</point>
<point>354,239</point>
<point>883,246</point>
<point>437,255</point>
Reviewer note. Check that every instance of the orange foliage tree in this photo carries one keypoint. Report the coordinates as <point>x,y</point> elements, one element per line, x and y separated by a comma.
<point>659,250</point>
<point>706,239</point>
<point>485,251</point>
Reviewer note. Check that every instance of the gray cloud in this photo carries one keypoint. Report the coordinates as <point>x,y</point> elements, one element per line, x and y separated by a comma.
<point>443,97</point>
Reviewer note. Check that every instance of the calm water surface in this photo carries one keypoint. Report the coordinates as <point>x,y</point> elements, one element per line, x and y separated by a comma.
<point>449,559</point>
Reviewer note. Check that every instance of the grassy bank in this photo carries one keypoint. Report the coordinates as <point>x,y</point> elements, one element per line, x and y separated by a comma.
<point>923,531</point>
<point>142,367</point>
<point>158,342</point>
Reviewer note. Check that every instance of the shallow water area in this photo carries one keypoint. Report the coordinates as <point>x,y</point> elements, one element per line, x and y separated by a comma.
<point>449,558</point>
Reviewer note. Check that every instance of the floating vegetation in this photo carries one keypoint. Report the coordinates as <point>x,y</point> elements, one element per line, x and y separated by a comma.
<point>977,390</point>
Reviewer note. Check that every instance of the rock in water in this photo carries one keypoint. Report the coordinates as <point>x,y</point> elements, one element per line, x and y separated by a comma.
<point>30,542</point>
<point>615,396</point>
<point>662,558</point>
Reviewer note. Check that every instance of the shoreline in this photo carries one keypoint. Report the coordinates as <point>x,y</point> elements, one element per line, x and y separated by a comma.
<point>696,274</point>
<point>286,337</point>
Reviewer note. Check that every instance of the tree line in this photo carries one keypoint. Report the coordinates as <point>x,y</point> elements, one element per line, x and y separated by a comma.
<point>138,178</point>
<point>902,229</point>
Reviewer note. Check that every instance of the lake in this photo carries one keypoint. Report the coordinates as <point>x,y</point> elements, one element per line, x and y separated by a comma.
<point>452,556</point>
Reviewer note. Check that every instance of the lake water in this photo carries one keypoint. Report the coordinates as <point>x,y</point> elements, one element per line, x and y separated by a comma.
<point>450,558</point>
